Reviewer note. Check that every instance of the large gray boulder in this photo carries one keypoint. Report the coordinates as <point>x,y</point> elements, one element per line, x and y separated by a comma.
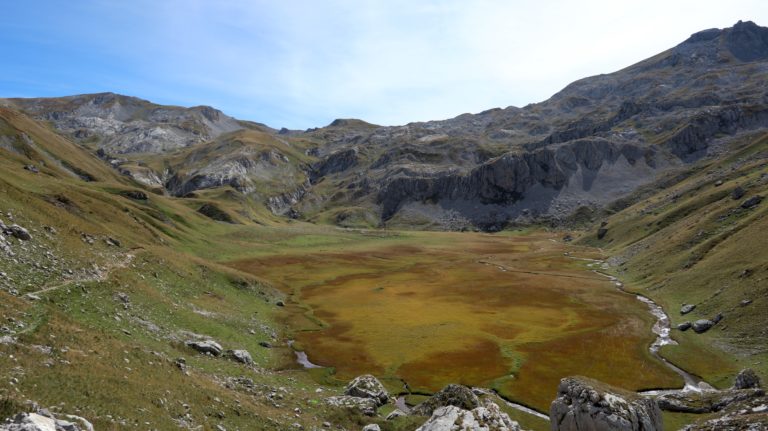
<point>702,325</point>
<point>451,395</point>
<point>242,356</point>
<point>583,404</point>
<point>484,418</point>
<point>19,232</point>
<point>367,386</point>
<point>206,346</point>
<point>746,379</point>
<point>29,422</point>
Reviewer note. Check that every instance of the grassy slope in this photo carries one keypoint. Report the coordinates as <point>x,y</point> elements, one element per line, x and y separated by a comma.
<point>692,243</point>
<point>82,349</point>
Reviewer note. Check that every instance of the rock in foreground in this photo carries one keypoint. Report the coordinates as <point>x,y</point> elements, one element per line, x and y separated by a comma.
<point>485,418</point>
<point>584,404</point>
<point>451,395</point>
<point>367,386</point>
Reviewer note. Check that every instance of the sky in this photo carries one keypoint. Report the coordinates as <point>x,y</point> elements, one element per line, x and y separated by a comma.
<point>303,63</point>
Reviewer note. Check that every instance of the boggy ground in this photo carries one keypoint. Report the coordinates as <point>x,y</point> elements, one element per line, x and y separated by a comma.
<point>507,311</point>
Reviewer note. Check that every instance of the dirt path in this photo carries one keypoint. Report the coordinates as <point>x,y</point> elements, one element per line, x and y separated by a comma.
<point>102,275</point>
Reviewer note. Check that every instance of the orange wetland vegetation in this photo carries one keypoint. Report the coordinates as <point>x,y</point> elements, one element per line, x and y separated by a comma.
<point>509,312</point>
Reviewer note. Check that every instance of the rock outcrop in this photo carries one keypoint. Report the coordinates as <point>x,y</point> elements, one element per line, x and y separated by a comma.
<point>583,404</point>
<point>367,386</point>
<point>452,395</point>
<point>206,346</point>
<point>487,417</point>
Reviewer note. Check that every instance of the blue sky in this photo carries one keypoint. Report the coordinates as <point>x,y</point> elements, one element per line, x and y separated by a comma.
<point>304,63</point>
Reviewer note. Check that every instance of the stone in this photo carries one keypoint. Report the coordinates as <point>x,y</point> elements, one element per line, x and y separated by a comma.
<point>752,202</point>
<point>32,168</point>
<point>745,302</point>
<point>451,395</point>
<point>394,414</point>
<point>29,422</point>
<point>585,404</point>
<point>265,344</point>
<point>705,401</point>
<point>718,183</point>
<point>702,325</point>
<point>135,195</point>
<point>687,308</point>
<point>280,303</point>
<point>242,356</point>
<point>366,406</point>
<point>372,427</point>
<point>483,418</point>
<point>684,326</point>
<point>367,386</point>
<point>746,379</point>
<point>206,346</point>
<point>737,193</point>
<point>19,232</point>
<point>718,317</point>
<point>602,232</point>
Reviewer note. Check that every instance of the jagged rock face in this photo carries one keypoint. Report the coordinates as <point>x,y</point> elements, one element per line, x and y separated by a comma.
<point>123,124</point>
<point>584,404</point>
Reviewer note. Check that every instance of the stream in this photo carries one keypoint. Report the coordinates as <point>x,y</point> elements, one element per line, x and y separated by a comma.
<point>662,329</point>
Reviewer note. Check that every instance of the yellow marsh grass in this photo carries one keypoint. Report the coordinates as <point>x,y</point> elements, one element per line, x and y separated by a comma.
<point>509,312</point>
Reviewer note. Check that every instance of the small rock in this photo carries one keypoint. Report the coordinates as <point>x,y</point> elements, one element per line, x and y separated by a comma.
<point>372,427</point>
<point>280,303</point>
<point>265,344</point>
<point>752,202</point>
<point>746,379</point>
<point>717,318</point>
<point>718,183</point>
<point>745,302</point>
<point>702,325</point>
<point>738,193</point>
<point>366,406</point>
<point>396,413</point>
<point>326,424</point>
<point>32,168</point>
<point>687,308</point>
<point>684,326</point>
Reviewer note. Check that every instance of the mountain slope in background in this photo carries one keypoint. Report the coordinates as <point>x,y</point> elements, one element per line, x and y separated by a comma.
<point>593,142</point>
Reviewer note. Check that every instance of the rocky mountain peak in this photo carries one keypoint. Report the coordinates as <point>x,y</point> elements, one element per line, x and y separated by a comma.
<point>746,41</point>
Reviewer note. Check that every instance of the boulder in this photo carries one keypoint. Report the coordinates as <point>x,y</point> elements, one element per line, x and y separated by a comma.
<point>702,325</point>
<point>396,413</point>
<point>366,406</point>
<point>367,386</point>
<point>746,379</point>
<point>687,308</point>
<point>752,202</point>
<point>451,395</point>
<point>684,326</point>
<point>242,356</point>
<point>705,401</point>
<point>484,418</point>
<point>372,427</point>
<point>29,422</point>
<point>585,404</point>
<point>206,346</point>
<point>602,232</point>
<point>19,232</point>
<point>135,195</point>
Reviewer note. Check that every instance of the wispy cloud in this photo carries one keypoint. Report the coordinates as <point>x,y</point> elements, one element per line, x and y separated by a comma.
<point>303,63</point>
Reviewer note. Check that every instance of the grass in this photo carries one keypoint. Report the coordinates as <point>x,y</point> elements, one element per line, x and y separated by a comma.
<point>435,308</point>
